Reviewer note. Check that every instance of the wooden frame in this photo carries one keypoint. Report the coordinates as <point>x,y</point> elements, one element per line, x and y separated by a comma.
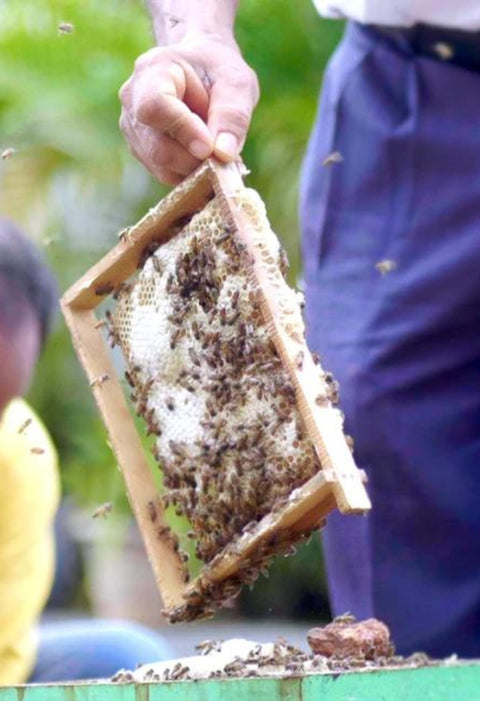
<point>339,484</point>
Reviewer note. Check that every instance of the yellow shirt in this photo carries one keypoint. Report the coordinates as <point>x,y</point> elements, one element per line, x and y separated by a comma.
<point>29,493</point>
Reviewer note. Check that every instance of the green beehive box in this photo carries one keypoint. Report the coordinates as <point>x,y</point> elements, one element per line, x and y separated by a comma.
<point>442,682</point>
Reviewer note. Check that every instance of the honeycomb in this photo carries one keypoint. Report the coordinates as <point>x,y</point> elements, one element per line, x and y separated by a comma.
<point>208,381</point>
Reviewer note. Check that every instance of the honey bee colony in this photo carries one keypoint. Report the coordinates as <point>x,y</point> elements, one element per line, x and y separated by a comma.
<point>251,449</point>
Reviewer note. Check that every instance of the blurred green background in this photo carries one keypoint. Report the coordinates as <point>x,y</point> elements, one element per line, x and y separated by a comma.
<point>72,185</point>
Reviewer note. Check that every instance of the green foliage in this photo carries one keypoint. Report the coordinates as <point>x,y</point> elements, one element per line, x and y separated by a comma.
<point>72,183</point>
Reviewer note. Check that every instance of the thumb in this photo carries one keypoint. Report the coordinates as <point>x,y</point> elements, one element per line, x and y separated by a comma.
<point>232,100</point>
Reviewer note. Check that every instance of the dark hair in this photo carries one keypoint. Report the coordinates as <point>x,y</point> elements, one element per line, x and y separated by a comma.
<point>25,279</point>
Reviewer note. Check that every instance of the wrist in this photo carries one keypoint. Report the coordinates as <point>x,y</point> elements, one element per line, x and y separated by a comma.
<point>174,20</point>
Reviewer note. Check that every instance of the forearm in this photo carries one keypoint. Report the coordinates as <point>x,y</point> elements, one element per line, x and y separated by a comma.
<point>173,20</point>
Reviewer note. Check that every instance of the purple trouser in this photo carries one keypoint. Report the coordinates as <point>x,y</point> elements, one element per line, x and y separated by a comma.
<point>405,345</point>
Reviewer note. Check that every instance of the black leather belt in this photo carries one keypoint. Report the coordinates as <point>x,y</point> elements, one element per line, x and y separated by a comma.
<point>450,45</point>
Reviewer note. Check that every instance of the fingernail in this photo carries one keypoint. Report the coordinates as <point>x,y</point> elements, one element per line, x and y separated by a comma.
<point>199,149</point>
<point>226,145</point>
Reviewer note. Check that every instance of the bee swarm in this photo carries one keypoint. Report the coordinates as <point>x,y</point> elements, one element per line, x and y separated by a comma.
<point>211,387</point>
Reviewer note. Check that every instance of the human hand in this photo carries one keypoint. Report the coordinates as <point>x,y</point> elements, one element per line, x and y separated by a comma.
<point>186,102</point>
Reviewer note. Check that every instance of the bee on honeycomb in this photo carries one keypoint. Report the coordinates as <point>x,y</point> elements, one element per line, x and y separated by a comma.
<point>211,386</point>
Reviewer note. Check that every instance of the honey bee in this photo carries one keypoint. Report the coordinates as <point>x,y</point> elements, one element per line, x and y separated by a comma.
<point>98,381</point>
<point>37,451</point>
<point>23,427</point>
<point>207,646</point>
<point>152,511</point>
<point>123,288</point>
<point>157,265</point>
<point>103,510</point>
<point>148,251</point>
<point>299,360</point>
<point>123,234</point>
<point>332,158</point>
<point>104,289</point>
<point>100,324</point>
<point>235,298</point>
<point>175,337</point>
<point>7,153</point>
<point>194,357</point>
<point>181,222</point>
<point>283,263</point>
<point>178,449</point>
<point>385,266</point>
<point>65,28</point>
<point>443,50</point>
<point>345,618</point>
<point>129,379</point>
<point>163,531</point>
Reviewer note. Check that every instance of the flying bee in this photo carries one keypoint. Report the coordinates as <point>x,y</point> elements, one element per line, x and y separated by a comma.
<point>443,50</point>
<point>23,427</point>
<point>37,451</point>
<point>332,158</point>
<point>7,153</point>
<point>65,28</point>
<point>385,266</point>
<point>103,510</point>
<point>99,381</point>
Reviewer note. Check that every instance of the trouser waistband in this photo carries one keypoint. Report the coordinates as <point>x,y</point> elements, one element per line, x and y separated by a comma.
<point>453,46</point>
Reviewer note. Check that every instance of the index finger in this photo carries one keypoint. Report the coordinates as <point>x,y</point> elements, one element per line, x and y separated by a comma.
<point>159,100</point>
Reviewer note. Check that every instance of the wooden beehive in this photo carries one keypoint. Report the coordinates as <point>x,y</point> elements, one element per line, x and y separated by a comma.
<point>252,449</point>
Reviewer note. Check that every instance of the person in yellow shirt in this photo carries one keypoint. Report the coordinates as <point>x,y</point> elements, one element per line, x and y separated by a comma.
<point>29,485</point>
<point>29,495</point>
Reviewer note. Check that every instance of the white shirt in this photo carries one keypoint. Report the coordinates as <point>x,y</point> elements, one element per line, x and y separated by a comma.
<point>456,14</point>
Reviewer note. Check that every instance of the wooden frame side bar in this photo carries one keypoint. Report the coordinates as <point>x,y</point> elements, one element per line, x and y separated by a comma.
<point>324,423</point>
<point>142,491</point>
